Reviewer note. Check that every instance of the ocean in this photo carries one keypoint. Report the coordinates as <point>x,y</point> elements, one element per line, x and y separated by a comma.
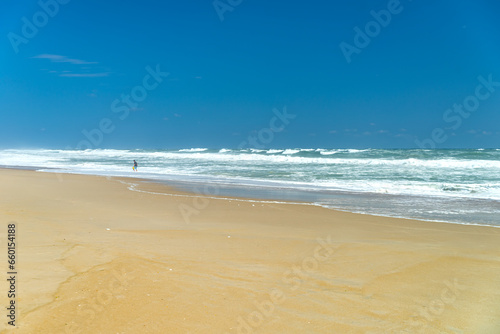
<point>455,186</point>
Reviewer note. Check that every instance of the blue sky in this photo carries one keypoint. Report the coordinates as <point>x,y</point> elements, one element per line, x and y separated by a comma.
<point>225,77</point>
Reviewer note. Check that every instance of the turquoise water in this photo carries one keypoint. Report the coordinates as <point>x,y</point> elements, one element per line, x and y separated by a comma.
<point>461,186</point>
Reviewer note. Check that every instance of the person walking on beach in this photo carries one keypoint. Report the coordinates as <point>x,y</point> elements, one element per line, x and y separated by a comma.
<point>135,166</point>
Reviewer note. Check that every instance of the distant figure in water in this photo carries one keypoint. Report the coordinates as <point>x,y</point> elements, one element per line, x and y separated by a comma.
<point>135,166</point>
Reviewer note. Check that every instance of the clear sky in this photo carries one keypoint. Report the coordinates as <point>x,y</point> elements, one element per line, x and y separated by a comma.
<point>355,74</point>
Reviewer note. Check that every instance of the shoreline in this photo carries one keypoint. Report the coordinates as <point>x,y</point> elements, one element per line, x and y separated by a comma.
<point>264,200</point>
<point>270,201</point>
<point>188,186</point>
<point>93,253</point>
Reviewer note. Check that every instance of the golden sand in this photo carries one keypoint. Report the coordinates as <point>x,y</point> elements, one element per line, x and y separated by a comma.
<point>96,257</point>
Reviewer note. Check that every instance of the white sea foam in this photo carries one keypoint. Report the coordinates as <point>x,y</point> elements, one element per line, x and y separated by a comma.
<point>328,152</point>
<point>289,151</point>
<point>193,150</point>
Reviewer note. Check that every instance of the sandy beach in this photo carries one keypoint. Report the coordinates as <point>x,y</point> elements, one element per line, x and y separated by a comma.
<point>94,256</point>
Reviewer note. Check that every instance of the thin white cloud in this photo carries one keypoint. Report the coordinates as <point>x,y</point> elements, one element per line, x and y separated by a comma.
<point>83,69</point>
<point>63,59</point>
<point>93,93</point>
<point>480,132</point>
<point>84,75</point>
